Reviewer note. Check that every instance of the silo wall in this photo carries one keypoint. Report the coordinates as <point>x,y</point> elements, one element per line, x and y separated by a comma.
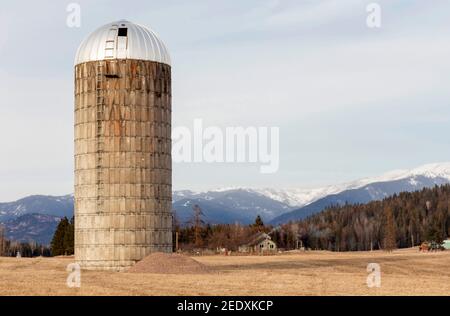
<point>123,170</point>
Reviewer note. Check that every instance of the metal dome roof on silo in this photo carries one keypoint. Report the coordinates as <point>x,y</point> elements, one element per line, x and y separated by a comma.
<point>122,40</point>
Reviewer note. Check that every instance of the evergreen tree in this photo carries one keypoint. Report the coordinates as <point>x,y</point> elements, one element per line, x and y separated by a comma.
<point>258,222</point>
<point>63,239</point>
<point>434,234</point>
<point>69,238</point>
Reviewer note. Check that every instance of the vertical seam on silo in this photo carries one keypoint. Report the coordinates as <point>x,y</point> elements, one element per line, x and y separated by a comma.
<point>142,37</point>
<point>158,43</point>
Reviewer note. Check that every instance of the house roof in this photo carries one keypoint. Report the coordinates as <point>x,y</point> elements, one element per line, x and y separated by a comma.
<point>257,238</point>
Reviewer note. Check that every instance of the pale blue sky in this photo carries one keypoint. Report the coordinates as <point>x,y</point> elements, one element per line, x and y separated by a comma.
<point>349,101</point>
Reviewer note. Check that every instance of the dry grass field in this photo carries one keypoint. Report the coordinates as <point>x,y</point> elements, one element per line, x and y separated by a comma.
<point>403,272</point>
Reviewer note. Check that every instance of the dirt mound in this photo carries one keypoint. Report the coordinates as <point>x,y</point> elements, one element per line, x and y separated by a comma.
<point>169,263</point>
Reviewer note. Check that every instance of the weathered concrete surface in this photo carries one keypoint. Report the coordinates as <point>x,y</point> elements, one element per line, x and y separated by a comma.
<point>123,168</point>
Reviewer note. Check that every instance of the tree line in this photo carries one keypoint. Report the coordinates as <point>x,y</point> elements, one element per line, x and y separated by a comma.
<point>62,243</point>
<point>403,220</point>
<point>9,248</point>
<point>25,249</point>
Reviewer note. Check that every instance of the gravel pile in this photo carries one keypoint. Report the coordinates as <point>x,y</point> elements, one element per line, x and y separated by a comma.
<point>169,263</point>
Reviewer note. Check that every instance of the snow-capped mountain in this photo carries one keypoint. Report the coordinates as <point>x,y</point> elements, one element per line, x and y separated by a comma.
<point>227,206</point>
<point>242,204</point>
<point>301,197</point>
<point>59,206</point>
<point>378,188</point>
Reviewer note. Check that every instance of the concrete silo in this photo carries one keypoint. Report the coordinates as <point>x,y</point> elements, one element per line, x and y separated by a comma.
<point>123,166</point>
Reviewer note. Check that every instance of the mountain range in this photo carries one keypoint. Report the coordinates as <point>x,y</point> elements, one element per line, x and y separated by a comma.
<point>227,206</point>
<point>59,206</point>
<point>371,192</point>
<point>32,227</point>
<point>23,220</point>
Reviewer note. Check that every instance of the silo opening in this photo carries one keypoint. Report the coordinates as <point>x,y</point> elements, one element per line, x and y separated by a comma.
<point>123,31</point>
<point>112,76</point>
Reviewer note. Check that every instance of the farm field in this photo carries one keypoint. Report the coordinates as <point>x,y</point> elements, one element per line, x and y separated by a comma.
<point>403,272</point>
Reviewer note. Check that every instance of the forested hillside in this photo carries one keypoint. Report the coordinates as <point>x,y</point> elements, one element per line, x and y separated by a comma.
<point>403,220</point>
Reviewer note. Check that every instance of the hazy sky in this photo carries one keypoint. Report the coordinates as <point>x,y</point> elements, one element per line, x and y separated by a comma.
<point>350,101</point>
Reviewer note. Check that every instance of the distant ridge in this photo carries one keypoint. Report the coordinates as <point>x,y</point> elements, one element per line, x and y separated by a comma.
<point>371,192</point>
<point>242,205</point>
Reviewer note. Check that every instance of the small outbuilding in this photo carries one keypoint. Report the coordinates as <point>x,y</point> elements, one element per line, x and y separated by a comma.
<point>446,244</point>
<point>259,243</point>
